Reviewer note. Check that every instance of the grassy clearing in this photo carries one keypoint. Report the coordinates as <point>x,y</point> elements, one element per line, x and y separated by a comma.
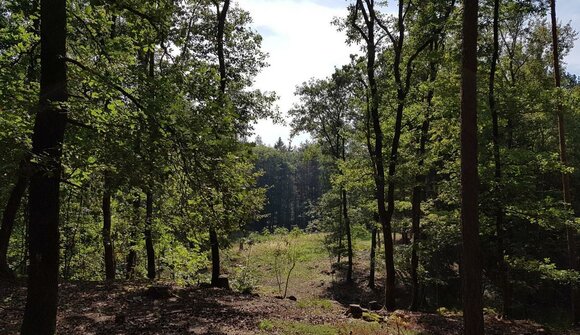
<point>311,268</point>
<point>353,327</point>
<point>314,303</point>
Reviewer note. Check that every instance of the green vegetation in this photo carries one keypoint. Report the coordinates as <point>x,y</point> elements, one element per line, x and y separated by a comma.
<point>126,153</point>
<point>315,303</point>
<point>347,328</point>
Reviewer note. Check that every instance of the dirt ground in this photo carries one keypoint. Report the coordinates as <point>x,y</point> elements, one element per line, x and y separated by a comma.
<point>123,308</point>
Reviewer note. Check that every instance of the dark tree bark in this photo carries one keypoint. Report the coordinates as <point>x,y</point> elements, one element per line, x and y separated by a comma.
<point>222,17</point>
<point>148,237</point>
<point>47,139</point>
<point>132,255</point>
<point>373,256</point>
<point>566,190</point>
<point>9,216</point>
<point>107,241</point>
<point>215,258</point>
<point>499,210</point>
<point>471,262</point>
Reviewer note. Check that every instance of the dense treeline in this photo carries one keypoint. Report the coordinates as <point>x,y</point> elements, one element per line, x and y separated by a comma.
<point>294,179</point>
<point>450,140</point>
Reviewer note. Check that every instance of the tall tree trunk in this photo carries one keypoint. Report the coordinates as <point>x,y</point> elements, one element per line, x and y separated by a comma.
<point>471,262</point>
<point>107,241</point>
<point>215,257</point>
<point>349,278</point>
<point>148,237</point>
<point>213,238</point>
<point>377,156</point>
<point>419,195</point>
<point>9,216</point>
<point>567,193</point>
<point>348,236</point>
<point>373,256</point>
<point>499,211</point>
<point>340,234</point>
<point>132,255</point>
<point>44,190</point>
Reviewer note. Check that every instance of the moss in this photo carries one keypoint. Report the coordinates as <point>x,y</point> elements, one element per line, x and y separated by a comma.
<point>371,317</point>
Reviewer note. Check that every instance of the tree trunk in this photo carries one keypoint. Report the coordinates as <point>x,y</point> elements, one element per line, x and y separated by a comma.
<point>107,241</point>
<point>567,193</point>
<point>213,238</point>
<point>373,256</point>
<point>346,222</point>
<point>47,139</point>
<point>499,211</point>
<point>417,198</point>
<point>380,169</point>
<point>148,238</point>
<point>215,257</point>
<point>471,262</point>
<point>9,216</point>
<point>132,255</point>
<point>419,189</point>
<point>348,236</point>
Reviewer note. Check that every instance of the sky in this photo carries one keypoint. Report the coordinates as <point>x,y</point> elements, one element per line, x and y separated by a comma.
<point>302,44</point>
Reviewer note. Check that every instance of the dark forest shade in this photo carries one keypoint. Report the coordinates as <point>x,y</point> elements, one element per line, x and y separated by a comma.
<point>9,216</point>
<point>47,140</point>
<point>471,255</point>
<point>148,236</point>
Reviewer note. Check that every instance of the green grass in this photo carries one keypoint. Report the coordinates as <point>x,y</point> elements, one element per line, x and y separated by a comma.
<point>266,325</point>
<point>315,303</point>
<point>352,327</point>
<point>312,259</point>
<point>300,328</point>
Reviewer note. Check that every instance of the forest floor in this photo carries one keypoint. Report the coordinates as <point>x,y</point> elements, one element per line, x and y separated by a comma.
<point>320,306</point>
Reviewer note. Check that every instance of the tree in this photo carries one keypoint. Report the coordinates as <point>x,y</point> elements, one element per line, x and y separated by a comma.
<point>566,190</point>
<point>47,140</point>
<point>471,256</point>
<point>325,113</point>
<point>221,22</point>
<point>418,194</point>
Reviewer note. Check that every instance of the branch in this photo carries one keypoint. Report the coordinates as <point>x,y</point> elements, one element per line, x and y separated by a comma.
<point>384,27</point>
<point>355,25</point>
<point>105,80</point>
<point>79,124</point>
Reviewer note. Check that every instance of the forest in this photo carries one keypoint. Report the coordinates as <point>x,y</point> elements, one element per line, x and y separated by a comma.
<point>437,192</point>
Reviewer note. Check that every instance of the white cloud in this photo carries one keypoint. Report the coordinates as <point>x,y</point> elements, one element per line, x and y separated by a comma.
<point>302,44</point>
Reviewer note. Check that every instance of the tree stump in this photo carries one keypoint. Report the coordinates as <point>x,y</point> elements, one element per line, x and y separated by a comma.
<point>223,282</point>
<point>355,311</point>
<point>374,306</point>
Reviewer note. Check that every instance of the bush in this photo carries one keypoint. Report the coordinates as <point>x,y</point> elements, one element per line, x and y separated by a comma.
<point>245,280</point>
